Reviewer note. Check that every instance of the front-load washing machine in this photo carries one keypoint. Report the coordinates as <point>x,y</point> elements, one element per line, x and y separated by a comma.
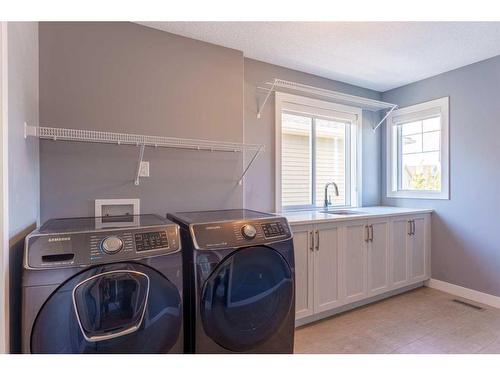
<point>239,282</point>
<point>103,285</point>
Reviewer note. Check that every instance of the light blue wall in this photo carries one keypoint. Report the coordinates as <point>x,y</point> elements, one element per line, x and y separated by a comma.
<point>466,228</point>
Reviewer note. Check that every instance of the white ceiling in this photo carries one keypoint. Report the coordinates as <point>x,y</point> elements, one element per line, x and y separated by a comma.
<point>376,55</point>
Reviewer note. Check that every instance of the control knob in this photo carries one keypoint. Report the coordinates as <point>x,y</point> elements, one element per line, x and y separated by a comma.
<point>111,245</point>
<point>248,231</point>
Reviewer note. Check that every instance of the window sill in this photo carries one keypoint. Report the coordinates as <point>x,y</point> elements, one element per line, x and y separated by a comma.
<point>309,209</point>
<point>421,195</point>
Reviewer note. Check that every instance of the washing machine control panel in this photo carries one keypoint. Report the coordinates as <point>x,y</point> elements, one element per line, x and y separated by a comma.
<point>151,241</point>
<point>232,234</point>
<point>87,248</point>
<point>111,244</point>
<point>274,229</point>
<point>249,231</point>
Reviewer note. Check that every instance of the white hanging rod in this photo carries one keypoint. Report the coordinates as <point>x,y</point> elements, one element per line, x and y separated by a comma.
<point>358,101</point>
<point>78,135</point>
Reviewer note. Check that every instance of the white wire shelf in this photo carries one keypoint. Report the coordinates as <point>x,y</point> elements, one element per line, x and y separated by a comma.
<point>92,136</point>
<point>358,101</point>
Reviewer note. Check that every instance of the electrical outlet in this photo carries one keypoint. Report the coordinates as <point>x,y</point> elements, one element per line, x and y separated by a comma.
<point>144,170</point>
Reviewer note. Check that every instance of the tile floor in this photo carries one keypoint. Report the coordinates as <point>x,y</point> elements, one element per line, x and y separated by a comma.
<point>420,321</point>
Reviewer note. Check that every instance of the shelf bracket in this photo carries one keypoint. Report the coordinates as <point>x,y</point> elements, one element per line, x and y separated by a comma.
<point>257,153</point>
<point>386,115</point>
<point>29,131</point>
<point>266,98</point>
<point>141,156</point>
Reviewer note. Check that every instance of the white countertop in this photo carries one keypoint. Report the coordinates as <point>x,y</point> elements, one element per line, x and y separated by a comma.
<point>315,216</point>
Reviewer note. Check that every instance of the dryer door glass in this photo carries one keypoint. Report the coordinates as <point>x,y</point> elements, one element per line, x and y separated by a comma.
<point>247,298</point>
<point>117,308</point>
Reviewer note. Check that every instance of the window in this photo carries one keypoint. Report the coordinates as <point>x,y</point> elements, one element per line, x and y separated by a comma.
<point>417,151</point>
<point>317,143</point>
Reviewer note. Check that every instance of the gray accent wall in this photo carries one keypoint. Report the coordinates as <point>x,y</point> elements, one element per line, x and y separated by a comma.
<point>465,229</point>
<point>22,107</point>
<point>260,181</point>
<point>23,155</point>
<point>123,77</point>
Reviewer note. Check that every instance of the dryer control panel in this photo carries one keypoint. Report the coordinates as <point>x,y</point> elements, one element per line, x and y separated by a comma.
<point>233,234</point>
<point>79,249</point>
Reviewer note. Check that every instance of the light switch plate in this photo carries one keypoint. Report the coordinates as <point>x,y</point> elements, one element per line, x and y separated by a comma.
<point>144,170</point>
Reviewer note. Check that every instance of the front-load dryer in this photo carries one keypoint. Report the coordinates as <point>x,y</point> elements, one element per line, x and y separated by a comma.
<point>103,285</point>
<point>239,282</point>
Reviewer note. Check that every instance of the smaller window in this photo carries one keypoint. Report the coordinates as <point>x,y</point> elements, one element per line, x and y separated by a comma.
<point>417,151</point>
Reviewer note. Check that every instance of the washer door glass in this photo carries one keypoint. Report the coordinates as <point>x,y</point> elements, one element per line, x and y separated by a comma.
<point>111,304</point>
<point>247,298</point>
<point>119,308</point>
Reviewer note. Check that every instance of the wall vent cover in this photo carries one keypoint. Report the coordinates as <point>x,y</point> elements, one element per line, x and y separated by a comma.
<point>468,304</point>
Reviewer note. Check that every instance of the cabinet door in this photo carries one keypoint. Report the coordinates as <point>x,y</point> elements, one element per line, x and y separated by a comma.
<point>304,258</point>
<point>418,249</point>
<point>326,267</point>
<point>354,260</point>
<point>400,241</point>
<point>378,256</point>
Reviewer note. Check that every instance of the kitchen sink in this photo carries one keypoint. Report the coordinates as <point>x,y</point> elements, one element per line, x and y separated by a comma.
<point>341,212</point>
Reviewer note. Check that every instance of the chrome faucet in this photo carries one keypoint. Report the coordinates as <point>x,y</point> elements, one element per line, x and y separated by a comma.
<point>328,199</point>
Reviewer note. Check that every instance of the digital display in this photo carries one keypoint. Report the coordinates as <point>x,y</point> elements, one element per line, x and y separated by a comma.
<point>273,229</point>
<point>150,241</point>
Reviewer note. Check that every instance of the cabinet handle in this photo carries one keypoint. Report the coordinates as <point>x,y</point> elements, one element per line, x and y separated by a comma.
<point>413,227</point>
<point>311,239</point>
<point>367,233</point>
<point>409,227</point>
<point>317,240</point>
<point>371,232</point>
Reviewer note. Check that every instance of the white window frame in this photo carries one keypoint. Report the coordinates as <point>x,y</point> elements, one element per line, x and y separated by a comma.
<point>417,112</point>
<point>319,108</point>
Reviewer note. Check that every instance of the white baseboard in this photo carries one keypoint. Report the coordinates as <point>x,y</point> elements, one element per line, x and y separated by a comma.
<point>460,291</point>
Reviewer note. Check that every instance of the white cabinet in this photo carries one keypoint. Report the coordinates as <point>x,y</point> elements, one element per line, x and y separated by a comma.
<point>418,248</point>
<point>304,267</point>
<point>399,251</point>
<point>354,260</point>
<point>378,255</point>
<point>326,267</point>
<point>410,250</point>
<point>342,262</point>
<point>365,258</point>
<point>316,268</point>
